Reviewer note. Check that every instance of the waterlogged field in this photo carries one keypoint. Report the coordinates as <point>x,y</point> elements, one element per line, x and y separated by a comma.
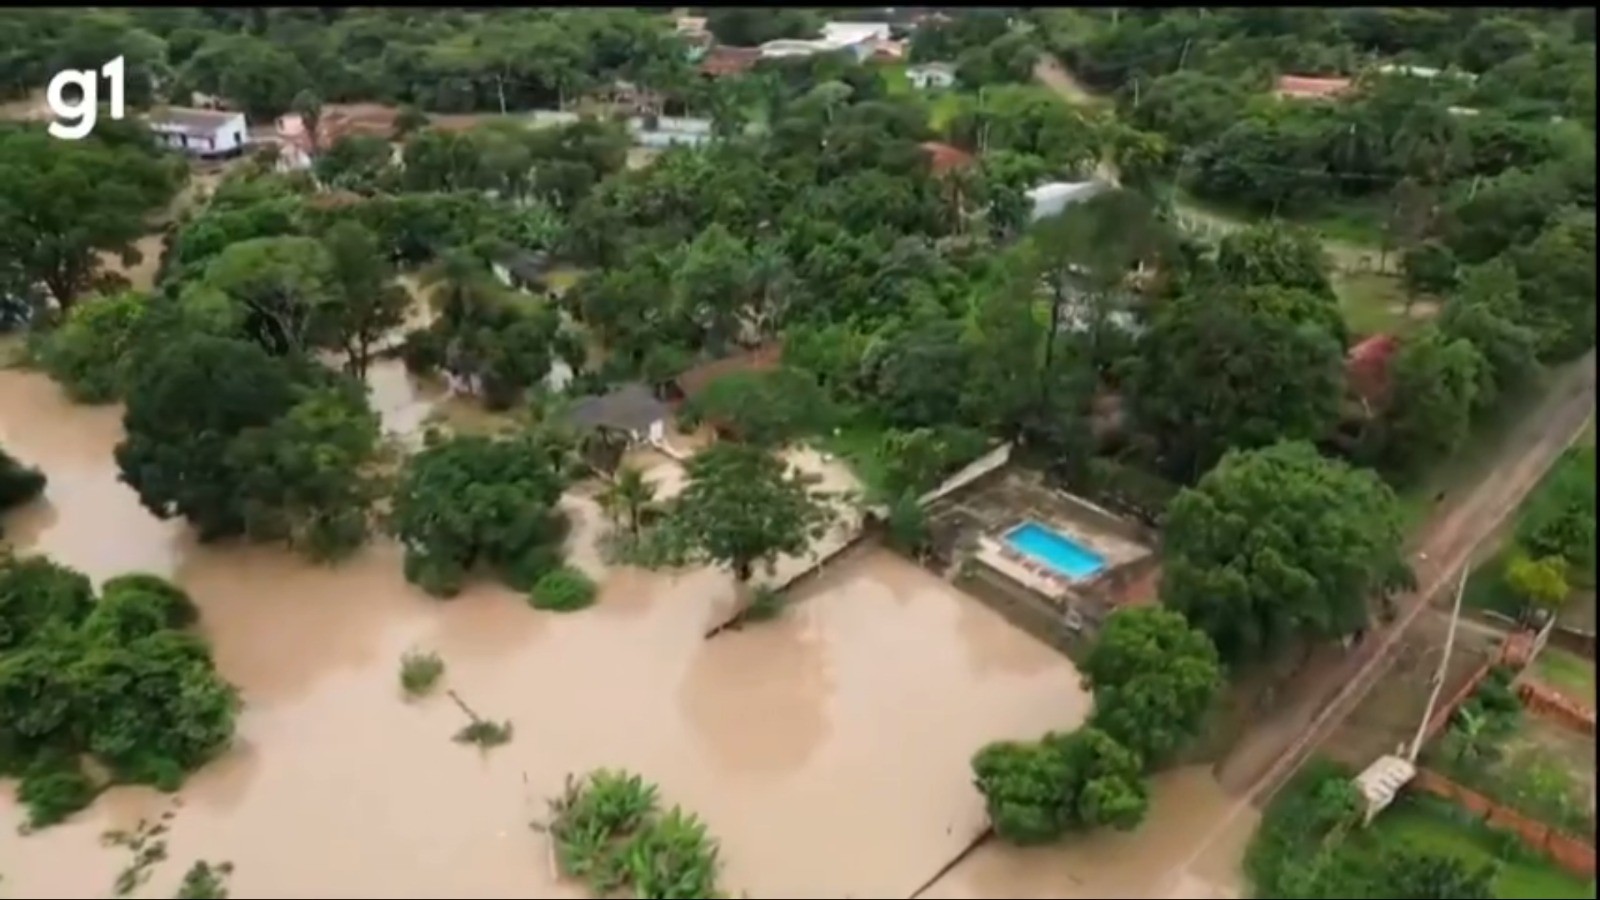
<point>827,750</point>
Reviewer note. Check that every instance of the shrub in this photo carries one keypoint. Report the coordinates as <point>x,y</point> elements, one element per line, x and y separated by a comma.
<point>18,483</point>
<point>908,525</point>
<point>420,672</point>
<point>1037,790</point>
<point>565,589</point>
<point>53,788</point>
<point>484,733</point>
<point>608,833</point>
<point>766,603</point>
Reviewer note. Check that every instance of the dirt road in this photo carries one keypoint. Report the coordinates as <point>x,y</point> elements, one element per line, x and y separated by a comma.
<point>1266,756</point>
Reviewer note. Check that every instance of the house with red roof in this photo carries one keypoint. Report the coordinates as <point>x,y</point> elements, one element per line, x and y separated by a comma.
<point>1366,370</point>
<point>943,158</point>
<point>1303,87</point>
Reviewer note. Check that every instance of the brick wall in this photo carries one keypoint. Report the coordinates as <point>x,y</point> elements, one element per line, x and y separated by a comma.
<point>1568,852</point>
<point>1543,700</point>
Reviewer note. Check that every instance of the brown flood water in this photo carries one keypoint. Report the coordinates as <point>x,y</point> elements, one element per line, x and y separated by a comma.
<point>828,750</point>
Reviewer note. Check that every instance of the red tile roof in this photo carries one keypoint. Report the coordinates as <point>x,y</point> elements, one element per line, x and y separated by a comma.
<point>1304,87</point>
<point>943,158</point>
<point>722,61</point>
<point>761,359</point>
<point>1366,367</point>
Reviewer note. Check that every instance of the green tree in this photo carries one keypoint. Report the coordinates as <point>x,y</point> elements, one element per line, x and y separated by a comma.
<point>1433,380</point>
<point>1154,678</point>
<point>1428,268</point>
<point>284,287</point>
<point>369,305</point>
<point>1557,276</point>
<point>63,203</point>
<point>627,496</point>
<point>185,405</point>
<point>1275,255</point>
<point>770,408</point>
<point>1283,378</point>
<point>1035,791</point>
<point>1541,584</point>
<point>113,678</point>
<point>1484,311</point>
<point>469,501</point>
<point>1559,519</point>
<point>242,444</point>
<point>19,484</point>
<point>743,507</point>
<point>357,162</point>
<point>1280,543</point>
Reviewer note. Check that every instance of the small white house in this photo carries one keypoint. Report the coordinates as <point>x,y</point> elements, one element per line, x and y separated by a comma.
<point>1051,198</point>
<point>204,133</point>
<point>931,76</point>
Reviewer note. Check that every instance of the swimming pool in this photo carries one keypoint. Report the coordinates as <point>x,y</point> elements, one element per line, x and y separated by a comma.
<point>1055,550</point>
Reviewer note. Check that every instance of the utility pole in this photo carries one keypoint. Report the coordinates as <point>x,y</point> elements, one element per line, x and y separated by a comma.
<point>1444,663</point>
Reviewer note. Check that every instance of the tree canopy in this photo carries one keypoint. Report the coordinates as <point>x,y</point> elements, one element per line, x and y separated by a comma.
<point>1154,678</point>
<point>469,501</point>
<point>1278,544</point>
<point>115,677</point>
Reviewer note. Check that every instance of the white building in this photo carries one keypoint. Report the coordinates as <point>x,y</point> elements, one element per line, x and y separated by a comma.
<point>206,133</point>
<point>859,39</point>
<point>1052,197</point>
<point>1427,72</point>
<point>931,76</point>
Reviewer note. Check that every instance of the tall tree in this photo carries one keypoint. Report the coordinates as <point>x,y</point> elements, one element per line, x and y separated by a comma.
<point>1433,380</point>
<point>1222,369</point>
<point>369,304</point>
<point>1277,544</point>
<point>743,507</point>
<point>627,496</point>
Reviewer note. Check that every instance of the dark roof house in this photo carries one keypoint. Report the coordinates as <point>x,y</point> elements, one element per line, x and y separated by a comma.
<point>632,408</point>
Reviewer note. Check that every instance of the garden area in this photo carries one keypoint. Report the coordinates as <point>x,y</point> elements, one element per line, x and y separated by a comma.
<point>1311,844</point>
<point>1532,765</point>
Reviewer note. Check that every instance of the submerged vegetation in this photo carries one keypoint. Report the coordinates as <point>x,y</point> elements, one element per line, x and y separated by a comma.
<point>117,679</point>
<point>608,831</point>
<point>420,672</point>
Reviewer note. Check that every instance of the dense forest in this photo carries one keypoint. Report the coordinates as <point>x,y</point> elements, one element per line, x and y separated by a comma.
<point>1195,381</point>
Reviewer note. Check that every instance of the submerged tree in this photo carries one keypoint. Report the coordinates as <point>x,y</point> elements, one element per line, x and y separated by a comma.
<point>469,501</point>
<point>114,678</point>
<point>1154,678</point>
<point>743,507</point>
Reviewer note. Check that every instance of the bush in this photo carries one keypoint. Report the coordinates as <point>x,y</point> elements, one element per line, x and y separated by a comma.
<point>1037,790</point>
<point>53,788</point>
<point>18,483</point>
<point>563,590</point>
<point>420,672</point>
<point>110,678</point>
<point>608,833</point>
<point>908,525</point>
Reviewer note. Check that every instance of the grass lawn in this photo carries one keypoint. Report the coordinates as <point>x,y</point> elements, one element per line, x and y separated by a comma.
<point>1422,823</point>
<point>859,444</point>
<point>1372,304</point>
<point>894,79</point>
<point>1566,672</point>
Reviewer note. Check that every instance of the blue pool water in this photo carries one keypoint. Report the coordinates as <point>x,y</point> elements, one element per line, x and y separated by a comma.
<point>1055,550</point>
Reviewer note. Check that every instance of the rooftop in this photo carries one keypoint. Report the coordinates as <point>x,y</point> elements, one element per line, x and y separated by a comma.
<point>694,380</point>
<point>1304,87</point>
<point>943,158</point>
<point>185,119</point>
<point>720,61</point>
<point>1367,366</point>
<point>844,34</point>
<point>631,407</point>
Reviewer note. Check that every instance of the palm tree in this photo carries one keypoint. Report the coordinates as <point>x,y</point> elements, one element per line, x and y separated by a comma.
<point>627,497</point>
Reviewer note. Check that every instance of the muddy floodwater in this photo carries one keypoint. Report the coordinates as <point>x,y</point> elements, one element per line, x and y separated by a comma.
<point>827,750</point>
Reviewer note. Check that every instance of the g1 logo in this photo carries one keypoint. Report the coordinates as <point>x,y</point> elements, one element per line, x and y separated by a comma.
<point>74,121</point>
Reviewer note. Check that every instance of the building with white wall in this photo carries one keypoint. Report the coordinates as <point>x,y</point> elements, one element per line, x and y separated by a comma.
<point>203,133</point>
<point>931,76</point>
